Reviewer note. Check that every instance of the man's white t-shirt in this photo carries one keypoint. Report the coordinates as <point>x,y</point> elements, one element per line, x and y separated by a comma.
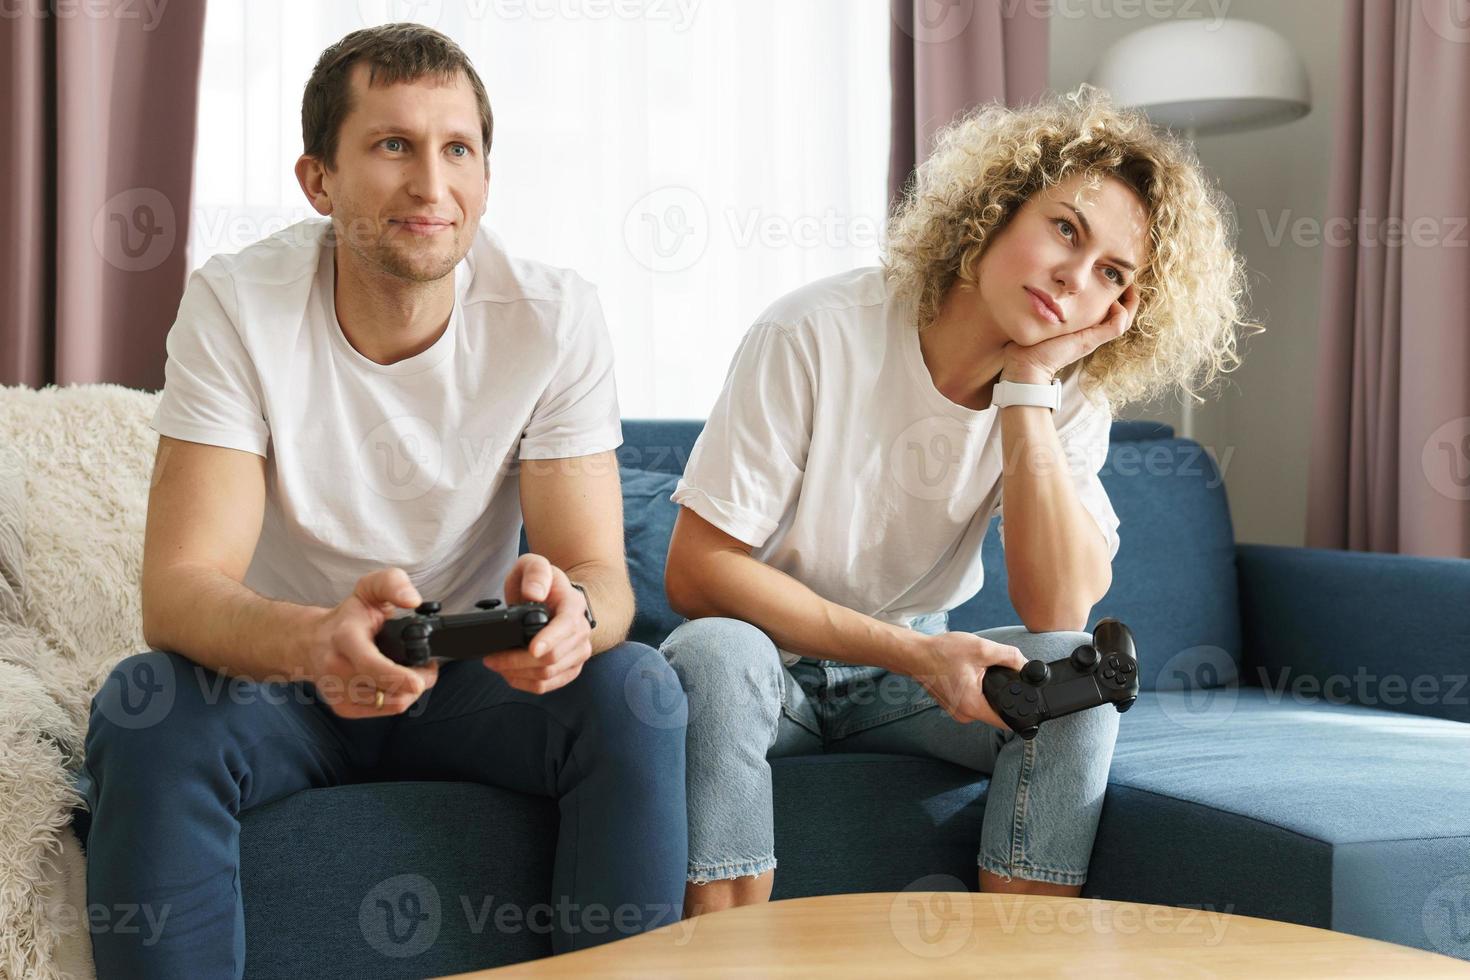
<point>368,465</point>
<point>833,455</point>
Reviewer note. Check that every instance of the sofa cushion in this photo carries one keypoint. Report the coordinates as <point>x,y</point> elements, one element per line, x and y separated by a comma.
<point>369,859</point>
<point>648,523</point>
<point>658,445</point>
<point>1339,816</point>
<point>1336,816</point>
<point>868,822</point>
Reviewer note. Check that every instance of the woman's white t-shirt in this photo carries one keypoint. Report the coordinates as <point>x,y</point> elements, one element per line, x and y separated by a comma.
<point>410,464</point>
<point>833,455</point>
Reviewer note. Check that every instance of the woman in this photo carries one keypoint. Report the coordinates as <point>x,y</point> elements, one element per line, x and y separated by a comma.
<point>1048,264</point>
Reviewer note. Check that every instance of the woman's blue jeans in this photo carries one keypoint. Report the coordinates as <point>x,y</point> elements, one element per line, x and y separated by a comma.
<point>746,707</point>
<point>175,753</point>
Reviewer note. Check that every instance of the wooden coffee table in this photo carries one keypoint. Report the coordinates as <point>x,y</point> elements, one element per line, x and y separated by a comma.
<point>933,934</point>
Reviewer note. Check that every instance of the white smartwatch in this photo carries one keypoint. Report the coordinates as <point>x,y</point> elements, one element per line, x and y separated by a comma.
<point>1015,393</point>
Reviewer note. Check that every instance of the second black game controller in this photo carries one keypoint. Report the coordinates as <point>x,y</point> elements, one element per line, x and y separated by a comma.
<point>1102,672</point>
<point>425,635</point>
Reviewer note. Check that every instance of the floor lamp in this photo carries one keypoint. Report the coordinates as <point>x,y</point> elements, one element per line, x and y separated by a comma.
<point>1202,77</point>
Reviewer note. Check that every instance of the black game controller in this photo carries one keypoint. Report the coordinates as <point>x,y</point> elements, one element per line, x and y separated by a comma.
<point>1105,671</point>
<point>425,635</point>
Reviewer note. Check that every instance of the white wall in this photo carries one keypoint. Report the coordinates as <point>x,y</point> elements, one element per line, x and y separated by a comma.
<point>1258,424</point>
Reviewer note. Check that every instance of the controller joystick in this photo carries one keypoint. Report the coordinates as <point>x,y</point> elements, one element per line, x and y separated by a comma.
<point>1102,672</point>
<point>426,635</point>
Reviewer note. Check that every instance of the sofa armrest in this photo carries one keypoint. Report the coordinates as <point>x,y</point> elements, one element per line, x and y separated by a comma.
<point>1388,631</point>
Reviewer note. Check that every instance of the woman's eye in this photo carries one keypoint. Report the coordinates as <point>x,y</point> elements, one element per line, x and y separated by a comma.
<point>1116,276</point>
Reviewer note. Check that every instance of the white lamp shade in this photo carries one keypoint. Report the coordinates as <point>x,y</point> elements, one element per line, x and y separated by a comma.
<point>1208,76</point>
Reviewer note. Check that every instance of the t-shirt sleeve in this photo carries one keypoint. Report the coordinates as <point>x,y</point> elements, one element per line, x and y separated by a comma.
<point>746,468</point>
<point>1084,432</point>
<point>577,414</point>
<point>211,391</point>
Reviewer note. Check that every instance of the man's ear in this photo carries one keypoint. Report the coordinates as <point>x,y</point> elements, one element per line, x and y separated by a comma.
<point>310,175</point>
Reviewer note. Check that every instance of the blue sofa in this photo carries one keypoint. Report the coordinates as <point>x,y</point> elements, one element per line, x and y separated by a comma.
<point>1300,751</point>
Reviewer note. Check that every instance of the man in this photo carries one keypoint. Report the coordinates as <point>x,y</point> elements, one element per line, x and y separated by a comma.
<point>359,413</point>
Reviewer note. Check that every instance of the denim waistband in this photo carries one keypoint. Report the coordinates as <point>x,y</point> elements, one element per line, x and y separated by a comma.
<point>931,623</point>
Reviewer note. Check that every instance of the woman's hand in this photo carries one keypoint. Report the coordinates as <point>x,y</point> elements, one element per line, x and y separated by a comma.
<point>1039,363</point>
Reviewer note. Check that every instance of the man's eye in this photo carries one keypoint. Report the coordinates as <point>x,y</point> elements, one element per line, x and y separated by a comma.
<point>463,147</point>
<point>391,139</point>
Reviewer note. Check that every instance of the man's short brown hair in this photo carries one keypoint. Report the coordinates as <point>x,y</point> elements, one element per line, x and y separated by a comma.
<point>393,53</point>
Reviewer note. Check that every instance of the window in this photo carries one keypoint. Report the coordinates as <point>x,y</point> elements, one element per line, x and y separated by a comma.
<point>695,159</point>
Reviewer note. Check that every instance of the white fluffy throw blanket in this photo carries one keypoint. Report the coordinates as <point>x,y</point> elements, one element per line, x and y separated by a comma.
<point>75,464</point>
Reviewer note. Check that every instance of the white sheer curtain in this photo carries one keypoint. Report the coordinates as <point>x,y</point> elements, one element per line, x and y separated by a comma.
<point>693,158</point>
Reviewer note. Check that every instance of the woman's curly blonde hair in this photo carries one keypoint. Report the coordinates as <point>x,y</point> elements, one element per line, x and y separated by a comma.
<point>987,164</point>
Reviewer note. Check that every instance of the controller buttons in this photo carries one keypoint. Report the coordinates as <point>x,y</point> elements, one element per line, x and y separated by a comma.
<point>487,604</point>
<point>535,618</point>
<point>1031,696</point>
<point>1014,689</point>
<point>1108,673</point>
<point>415,631</point>
<point>1085,657</point>
<point>1035,672</point>
<point>428,609</point>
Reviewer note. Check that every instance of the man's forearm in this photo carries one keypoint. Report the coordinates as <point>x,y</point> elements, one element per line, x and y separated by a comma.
<point>215,621</point>
<point>796,618</point>
<point>1056,558</point>
<point>611,596</point>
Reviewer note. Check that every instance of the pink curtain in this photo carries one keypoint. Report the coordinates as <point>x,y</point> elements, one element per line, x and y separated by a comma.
<point>97,108</point>
<point>1390,457</point>
<point>947,56</point>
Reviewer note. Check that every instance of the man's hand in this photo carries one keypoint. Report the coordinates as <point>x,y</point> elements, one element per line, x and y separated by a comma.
<point>1039,363</point>
<point>557,653</point>
<point>951,668</point>
<point>348,669</point>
